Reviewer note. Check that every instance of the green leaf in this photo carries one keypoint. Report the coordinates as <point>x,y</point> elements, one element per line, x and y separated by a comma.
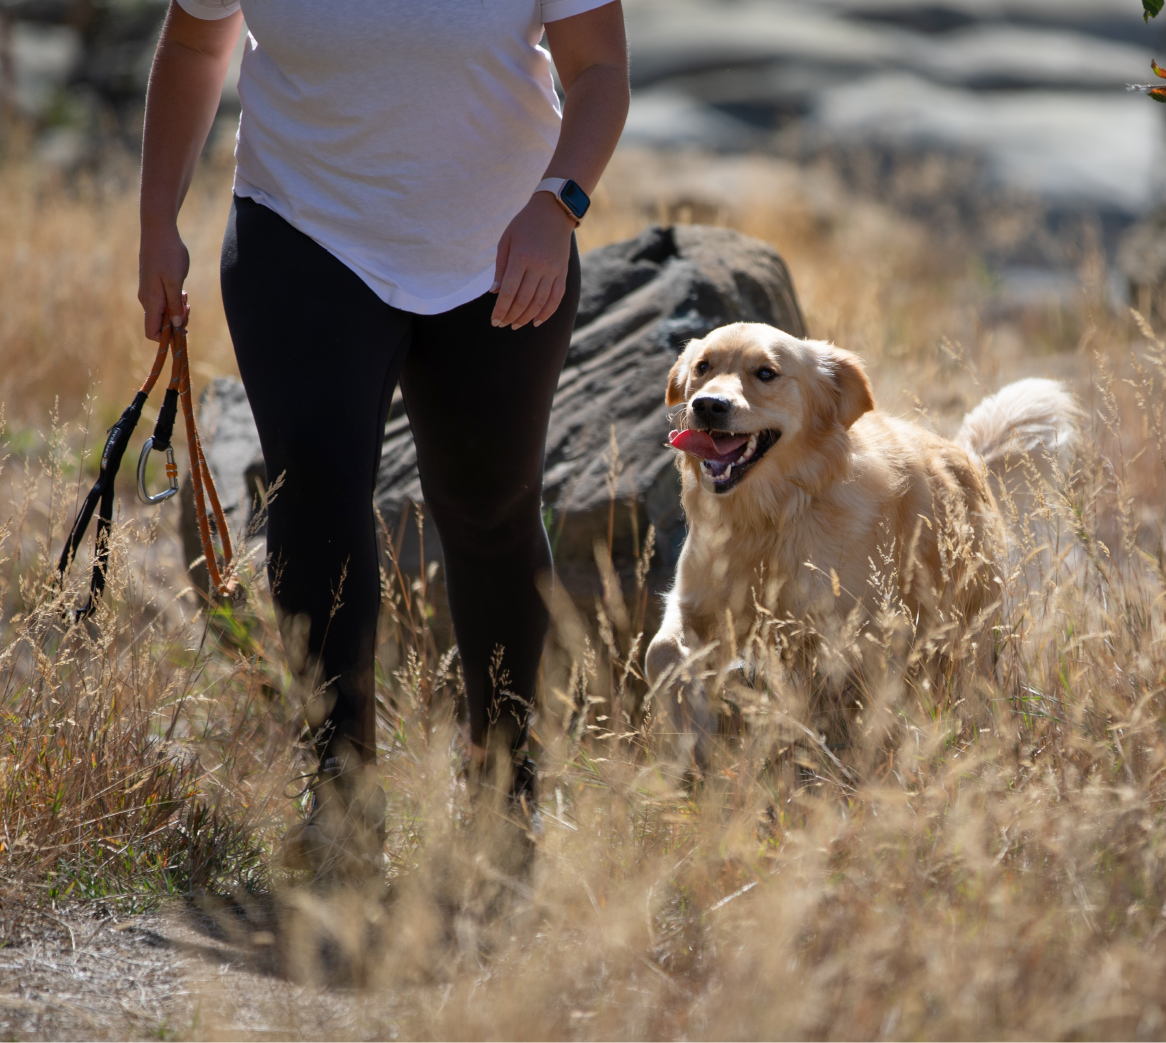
<point>1151,9</point>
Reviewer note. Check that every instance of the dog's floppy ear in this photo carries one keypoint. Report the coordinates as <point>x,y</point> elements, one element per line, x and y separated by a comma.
<point>851,385</point>
<point>678,379</point>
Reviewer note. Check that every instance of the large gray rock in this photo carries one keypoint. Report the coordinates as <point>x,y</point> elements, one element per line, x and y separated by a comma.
<point>1034,89</point>
<point>641,301</point>
<point>1141,259</point>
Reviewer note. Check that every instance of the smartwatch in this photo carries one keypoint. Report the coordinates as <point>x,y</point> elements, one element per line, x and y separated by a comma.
<point>570,196</point>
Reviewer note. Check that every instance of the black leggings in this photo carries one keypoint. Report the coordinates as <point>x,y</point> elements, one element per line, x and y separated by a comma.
<point>320,355</point>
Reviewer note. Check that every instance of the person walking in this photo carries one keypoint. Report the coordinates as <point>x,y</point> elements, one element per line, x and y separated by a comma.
<point>406,192</point>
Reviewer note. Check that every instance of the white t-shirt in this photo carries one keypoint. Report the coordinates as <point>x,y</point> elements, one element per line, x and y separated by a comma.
<point>401,135</point>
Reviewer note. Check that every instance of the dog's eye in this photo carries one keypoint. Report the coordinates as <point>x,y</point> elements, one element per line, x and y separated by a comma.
<point>765,373</point>
<point>702,368</point>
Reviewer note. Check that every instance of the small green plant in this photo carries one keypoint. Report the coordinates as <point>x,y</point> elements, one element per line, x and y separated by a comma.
<point>1151,9</point>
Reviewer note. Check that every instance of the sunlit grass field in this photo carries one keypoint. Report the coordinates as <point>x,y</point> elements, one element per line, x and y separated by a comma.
<point>982,859</point>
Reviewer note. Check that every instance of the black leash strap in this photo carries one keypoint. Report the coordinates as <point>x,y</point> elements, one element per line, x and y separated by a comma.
<point>159,441</point>
<point>101,494</point>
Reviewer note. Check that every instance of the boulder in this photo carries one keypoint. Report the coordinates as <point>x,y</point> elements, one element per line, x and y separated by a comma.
<point>641,300</point>
<point>607,466</point>
<point>1141,258</point>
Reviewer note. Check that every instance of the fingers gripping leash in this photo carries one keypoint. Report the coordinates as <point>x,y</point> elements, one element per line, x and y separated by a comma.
<point>101,496</point>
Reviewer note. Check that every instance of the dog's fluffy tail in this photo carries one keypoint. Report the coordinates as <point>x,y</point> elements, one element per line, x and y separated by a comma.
<point>1035,418</point>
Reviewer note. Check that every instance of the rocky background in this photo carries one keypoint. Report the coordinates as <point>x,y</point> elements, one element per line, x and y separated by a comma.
<point>1023,100</point>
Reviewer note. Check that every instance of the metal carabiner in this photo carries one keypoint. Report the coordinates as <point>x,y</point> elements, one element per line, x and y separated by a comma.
<point>171,473</point>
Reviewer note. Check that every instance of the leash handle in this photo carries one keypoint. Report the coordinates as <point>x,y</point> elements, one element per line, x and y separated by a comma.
<point>200,474</point>
<point>101,496</point>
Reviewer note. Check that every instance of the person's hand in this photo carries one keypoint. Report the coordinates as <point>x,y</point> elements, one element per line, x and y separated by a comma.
<point>163,262</point>
<point>530,274</point>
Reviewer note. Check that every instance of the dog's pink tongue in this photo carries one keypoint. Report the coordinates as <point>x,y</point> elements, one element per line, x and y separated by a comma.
<point>702,444</point>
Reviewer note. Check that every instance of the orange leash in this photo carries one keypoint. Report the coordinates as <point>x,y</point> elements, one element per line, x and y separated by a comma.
<point>174,341</point>
<point>101,496</point>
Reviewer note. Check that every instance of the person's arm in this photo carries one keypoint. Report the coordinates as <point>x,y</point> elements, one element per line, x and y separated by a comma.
<point>591,56</point>
<point>186,82</point>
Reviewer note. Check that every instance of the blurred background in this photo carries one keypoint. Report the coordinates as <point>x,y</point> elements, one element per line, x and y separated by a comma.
<point>1022,99</point>
<point>1000,129</point>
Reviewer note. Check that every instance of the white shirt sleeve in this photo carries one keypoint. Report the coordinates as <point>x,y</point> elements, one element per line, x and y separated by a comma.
<point>210,10</point>
<point>554,10</point>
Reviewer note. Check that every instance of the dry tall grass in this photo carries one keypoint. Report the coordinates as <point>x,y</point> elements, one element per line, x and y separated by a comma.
<point>988,860</point>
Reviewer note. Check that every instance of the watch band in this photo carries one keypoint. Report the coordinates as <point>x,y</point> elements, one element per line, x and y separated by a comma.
<point>556,186</point>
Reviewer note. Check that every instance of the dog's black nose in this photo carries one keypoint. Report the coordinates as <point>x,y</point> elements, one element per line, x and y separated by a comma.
<point>711,408</point>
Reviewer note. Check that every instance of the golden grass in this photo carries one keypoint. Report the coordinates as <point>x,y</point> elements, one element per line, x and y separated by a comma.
<point>70,322</point>
<point>985,860</point>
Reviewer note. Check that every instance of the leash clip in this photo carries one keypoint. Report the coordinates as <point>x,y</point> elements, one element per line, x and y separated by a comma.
<point>171,473</point>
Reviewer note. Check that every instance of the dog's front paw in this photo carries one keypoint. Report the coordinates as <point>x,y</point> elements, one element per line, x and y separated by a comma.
<point>683,718</point>
<point>692,724</point>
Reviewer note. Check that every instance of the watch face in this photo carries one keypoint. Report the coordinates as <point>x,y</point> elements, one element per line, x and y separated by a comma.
<point>575,198</point>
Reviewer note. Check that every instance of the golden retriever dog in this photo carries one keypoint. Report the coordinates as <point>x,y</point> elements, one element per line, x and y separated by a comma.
<point>806,504</point>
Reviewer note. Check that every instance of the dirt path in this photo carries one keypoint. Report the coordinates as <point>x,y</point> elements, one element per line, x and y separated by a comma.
<point>162,975</point>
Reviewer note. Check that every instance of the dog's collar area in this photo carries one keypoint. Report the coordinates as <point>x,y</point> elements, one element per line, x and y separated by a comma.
<point>722,476</point>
